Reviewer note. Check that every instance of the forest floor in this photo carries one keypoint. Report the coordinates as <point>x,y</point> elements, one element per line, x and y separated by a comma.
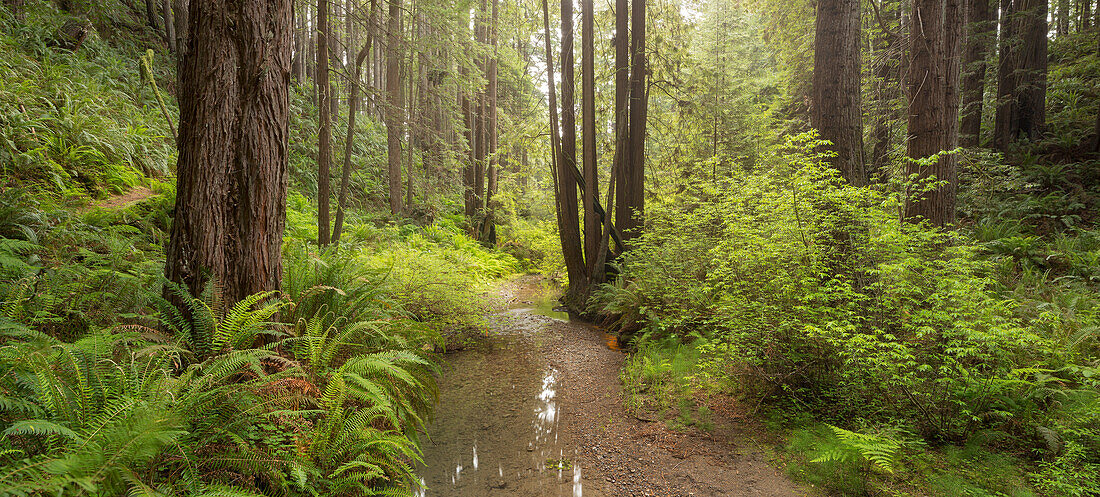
<point>122,200</point>
<point>539,411</point>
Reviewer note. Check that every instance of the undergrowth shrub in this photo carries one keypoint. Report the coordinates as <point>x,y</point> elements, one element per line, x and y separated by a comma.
<point>813,296</point>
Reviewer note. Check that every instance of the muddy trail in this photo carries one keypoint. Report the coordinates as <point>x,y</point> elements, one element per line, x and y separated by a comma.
<point>535,410</point>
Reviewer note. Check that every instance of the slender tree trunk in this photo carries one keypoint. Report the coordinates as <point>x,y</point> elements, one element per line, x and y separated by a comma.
<point>395,126</point>
<point>169,25</point>
<point>981,32</point>
<point>567,166</point>
<point>297,62</point>
<point>489,232</point>
<point>887,80</point>
<point>622,105</point>
<point>592,222</point>
<point>928,114</point>
<point>555,139</point>
<point>633,195</point>
<point>324,133</point>
<point>181,8</point>
<point>837,114</point>
<point>1062,18</point>
<point>151,14</point>
<point>233,148</point>
<point>349,140</point>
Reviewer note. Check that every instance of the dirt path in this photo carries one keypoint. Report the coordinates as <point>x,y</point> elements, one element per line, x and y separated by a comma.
<point>137,194</point>
<point>538,412</point>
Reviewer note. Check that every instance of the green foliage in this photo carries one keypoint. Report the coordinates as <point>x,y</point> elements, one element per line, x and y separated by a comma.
<point>813,296</point>
<point>76,123</point>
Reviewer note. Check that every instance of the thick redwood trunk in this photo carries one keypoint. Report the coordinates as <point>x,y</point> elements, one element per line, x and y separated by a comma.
<point>567,181</point>
<point>632,196</point>
<point>232,169</point>
<point>981,32</point>
<point>837,114</point>
<point>928,114</point>
<point>592,222</point>
<point>622,104</point>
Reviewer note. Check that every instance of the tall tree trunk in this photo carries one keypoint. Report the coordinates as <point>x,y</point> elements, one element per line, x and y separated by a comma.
<point>297,62</point>
<point>324,133</point>
<point>633,196</point>
<point>981,32</point>
<point>489,232</point>
<point>1022,72</point>
<point>151,14</point>
<point>349,139</point>
<point>887,80</point>
<point>169,25</point>
<point>567,166</point>
<point>592,222</point>
<point>622,106</point>
<point>233,148</point>
<point>1062,18</point>
<point>181,8</point>
<point>555,139</point>
<point>395,121</point>
<point>928,114</point>
<point>837,114</point>
<point>954,22</point>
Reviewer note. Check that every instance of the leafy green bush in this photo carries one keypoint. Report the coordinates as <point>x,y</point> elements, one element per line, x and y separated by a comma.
<point>815,296</point>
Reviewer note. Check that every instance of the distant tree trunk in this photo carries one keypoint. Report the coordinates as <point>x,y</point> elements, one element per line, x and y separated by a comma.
<point>622,106</point>
<point>298,63</point>
<point>633,196</point>
<point>567,181</point>
<point>489,232</point>
<point>1086,14</point>
<point>981,31</point>
<point>1062,18</point>
<point>954,22</point>
<point>928,114</point>
<point>182,9</point>
<point>1022,72</point>
<point>151,14</point>
<point>592,222</point>
<point>324,133</point>
<point>349,139</point>
<point>169,25</point>
<point>233,148</point>
<point>395,125</point>
<point>837,114</point>
<point>555,139</point>
<point>885,84</point>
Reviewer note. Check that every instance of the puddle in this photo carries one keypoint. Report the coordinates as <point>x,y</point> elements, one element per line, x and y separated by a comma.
<point>549,307</point>
<point>498,423</point>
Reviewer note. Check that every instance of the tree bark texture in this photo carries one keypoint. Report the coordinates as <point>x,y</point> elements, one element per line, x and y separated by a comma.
<point>567,166</point>
<point>592,222</point>
<point>1021,72</point>
<point>837,114</point>
<point>622,103</point>
<point>233,148</point>
<point>169,25</point>
<point>395,119</point>
<point>981,31</point>
<point>324,133</point>
<point>632,205</point>
<point>928,116</point>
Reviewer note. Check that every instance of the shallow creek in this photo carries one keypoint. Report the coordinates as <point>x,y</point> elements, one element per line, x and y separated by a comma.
<point>498,426</point>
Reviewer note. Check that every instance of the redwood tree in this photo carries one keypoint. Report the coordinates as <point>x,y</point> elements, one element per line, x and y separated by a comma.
<point>567,165</point>
<point>232,168</point>
<point>836,86</point>
<point>592,222</point>
<point>928,114</point>
<point>980,34</point>
<point>395,110</point>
